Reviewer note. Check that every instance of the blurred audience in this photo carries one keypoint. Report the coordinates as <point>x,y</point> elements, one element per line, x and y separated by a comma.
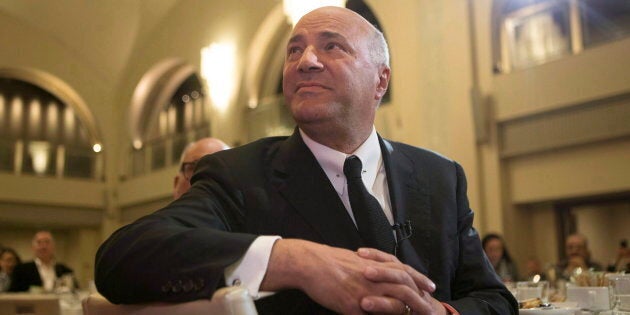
<point>44,270</point>
<point>622,263</point>
<point>191,154</point>
<point>577,256</point>
<point>497,252</point>
<point>8,260</point>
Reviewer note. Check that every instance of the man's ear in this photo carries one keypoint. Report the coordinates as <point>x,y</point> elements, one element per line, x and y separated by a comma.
<point>175,181</point>
<point>383,82</point>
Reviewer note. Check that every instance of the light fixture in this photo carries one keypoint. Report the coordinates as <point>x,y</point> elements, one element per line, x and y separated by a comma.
<point>39,155</point>
<point>218,68</point>
<point>295,9</point>
<point>97,147</point>
<point>137,144</point>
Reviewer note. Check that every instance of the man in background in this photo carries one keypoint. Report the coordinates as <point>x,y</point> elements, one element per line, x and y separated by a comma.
<point>42,271</point>
<point>577,256</point>
<point>191,154</point>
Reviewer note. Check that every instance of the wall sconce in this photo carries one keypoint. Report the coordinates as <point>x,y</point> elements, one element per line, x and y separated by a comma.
<point>218,69</point>
<point>295,9</point>
<point>97,147</point>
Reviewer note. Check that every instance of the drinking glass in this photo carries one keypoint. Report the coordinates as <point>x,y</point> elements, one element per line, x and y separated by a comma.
<point>619,285</point>
<point>531,289</point>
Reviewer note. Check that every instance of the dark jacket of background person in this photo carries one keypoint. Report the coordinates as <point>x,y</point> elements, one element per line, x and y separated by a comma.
<point>27,275</point>
<point>275,186</point>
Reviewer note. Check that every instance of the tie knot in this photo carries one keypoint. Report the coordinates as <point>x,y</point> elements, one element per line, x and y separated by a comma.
<point>352,167</point>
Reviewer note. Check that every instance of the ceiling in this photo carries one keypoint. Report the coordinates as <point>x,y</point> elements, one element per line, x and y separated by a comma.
<point>100,33</point>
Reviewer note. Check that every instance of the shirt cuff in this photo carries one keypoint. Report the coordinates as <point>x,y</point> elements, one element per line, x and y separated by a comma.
<point>450,309</point>
<point>250,269</point>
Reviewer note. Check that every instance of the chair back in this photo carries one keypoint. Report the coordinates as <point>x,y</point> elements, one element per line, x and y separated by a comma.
<point>27,303</point>
<point>225,301</point>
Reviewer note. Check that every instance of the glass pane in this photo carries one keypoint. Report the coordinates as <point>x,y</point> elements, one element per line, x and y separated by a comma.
<point>158,156</point>
<point>7,154</point>
<point>604,20</point>
<point>79,163</point>
<point>179,143</point>
<point>539,36</point>
<point>137,162</point>
<point>203,132</point>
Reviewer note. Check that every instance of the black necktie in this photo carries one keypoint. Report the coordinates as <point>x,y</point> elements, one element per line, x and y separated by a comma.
<point>371,221</point>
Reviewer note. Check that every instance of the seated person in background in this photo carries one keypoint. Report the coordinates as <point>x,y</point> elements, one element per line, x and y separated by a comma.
<point>43,270</point>
<point>577,256</point>
<point>622,263</point>
<point>187,162</point>
<point>495,249</point>
<point>533,268</point>
<point>292,215</point>
<point>8,260</point>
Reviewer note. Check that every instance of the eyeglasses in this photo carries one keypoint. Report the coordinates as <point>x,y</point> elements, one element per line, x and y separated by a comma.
<point>188,168</point>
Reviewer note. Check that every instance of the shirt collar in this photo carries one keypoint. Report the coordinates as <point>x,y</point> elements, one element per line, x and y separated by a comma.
<point>40,263</point>
<point>331,160</point>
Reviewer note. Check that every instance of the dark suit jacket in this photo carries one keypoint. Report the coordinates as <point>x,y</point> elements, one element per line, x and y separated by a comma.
<point>275,186</point>
<point>26,275</point>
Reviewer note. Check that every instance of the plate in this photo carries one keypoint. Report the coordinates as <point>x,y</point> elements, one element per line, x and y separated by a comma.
<point>549,311</point>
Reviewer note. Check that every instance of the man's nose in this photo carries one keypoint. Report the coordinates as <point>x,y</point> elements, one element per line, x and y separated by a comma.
<point>309,61</point>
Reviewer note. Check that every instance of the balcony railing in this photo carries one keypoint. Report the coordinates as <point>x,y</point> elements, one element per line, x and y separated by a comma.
<point>162,152</point>
<point>43,158</point>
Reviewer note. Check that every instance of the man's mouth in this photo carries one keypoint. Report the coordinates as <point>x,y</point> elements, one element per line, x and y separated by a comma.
<point>307,86</point>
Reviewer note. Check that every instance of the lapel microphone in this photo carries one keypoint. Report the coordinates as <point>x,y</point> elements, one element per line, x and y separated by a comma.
<point>403,231</point>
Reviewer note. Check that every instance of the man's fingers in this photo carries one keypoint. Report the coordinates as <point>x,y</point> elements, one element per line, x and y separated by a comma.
<point>376,255</point>
<point>399,273</point>
<point>390,275</point>
<point>382,304</point>
<point>422,281</point>
<point>394,297</point>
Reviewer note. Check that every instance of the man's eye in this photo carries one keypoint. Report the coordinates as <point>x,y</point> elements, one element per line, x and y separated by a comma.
<point>293,50</point>
<point>333,46</point>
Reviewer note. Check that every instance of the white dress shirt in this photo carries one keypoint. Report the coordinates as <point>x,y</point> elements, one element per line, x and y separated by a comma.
<point>251,268</point>
<point>47,273</point>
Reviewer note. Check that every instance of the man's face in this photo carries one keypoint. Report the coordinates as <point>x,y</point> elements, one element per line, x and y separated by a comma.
<point>199,149</point>
<point>329,75</point>
<point>182,179</point>
<point>43,246</point>
<point>576,247</point>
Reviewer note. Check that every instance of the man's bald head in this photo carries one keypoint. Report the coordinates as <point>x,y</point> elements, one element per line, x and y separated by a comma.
<point>191,154</point>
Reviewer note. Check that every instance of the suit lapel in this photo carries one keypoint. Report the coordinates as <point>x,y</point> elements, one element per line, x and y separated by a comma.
<point>302,182</point>
<point>409,198</point>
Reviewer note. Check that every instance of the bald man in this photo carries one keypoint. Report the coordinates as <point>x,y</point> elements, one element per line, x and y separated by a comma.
<point>334,219</point>
<point>577,255</point>
<point>191,154</point>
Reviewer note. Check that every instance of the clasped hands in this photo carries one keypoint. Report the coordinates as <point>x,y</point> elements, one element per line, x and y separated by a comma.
<point>365,281</point>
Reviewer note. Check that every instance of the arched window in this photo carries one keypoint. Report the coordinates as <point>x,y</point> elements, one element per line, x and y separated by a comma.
<point>534,32</point>
<point>267,114</point>
<point>168,111</point>
<point>45,133</point>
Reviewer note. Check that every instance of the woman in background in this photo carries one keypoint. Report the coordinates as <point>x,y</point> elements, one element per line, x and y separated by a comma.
<point>497,252</point>
<point>8,260</point>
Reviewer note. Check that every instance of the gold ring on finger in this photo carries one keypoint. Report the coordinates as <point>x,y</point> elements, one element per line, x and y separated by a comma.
<point>407,310</point>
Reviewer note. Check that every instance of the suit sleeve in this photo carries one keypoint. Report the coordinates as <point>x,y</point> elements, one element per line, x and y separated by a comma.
<point>476,288</point>
<point>19,280</point>
<point>178,253</point>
